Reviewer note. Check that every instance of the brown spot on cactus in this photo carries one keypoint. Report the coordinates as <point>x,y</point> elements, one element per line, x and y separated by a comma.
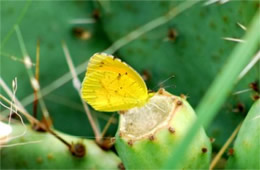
<point>120,134</point>
<point>254,86</point>
<point>121,166</point>
<point>130,142</point>
<point>107,143</point>
<point>81,33</point>
<point>161,91</point>
<point>184,97</point>
<point>50,156</point>
<point>121,112</point>
<point>179,103</point>
<point>212,140</point>
<point>96,14</point>
<point>39,160</point>
<point>151,138</point>
<point>78,149</point>
<point>204,150</point>
<point>146,75</point>
<point>172,34</point>
<point>212,25</point>
<point>240,107</point>
<point>225,19</point>
<point>231,152</point>
<point>171,130</point>
<point>255,97</point>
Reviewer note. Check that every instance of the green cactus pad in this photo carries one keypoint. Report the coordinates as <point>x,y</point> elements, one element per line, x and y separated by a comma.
<point>147,134</point>
<point>247,145</point>
<point>45,152</point>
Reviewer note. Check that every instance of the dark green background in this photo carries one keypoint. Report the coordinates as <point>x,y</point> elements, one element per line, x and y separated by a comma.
<point>194,58</point>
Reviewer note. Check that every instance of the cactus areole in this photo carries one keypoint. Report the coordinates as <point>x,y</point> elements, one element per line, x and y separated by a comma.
<point>147,134</point>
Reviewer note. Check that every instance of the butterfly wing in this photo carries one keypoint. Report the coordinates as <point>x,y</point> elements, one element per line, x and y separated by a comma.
<point>112,85</point>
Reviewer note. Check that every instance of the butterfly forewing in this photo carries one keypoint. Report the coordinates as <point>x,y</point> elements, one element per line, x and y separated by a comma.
<point>112,85</point>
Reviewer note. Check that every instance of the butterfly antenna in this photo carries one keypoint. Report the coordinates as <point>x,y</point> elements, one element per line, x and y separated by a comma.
<point>173,86</point>
<point>164,81</point>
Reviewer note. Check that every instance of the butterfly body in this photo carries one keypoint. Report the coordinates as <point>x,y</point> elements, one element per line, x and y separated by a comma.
<point>111,85</point>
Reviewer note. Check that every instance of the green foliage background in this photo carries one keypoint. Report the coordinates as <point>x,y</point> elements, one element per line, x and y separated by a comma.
<point>195,57</point>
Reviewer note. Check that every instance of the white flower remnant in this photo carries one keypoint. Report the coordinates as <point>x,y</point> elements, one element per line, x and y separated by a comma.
<point>5,131</point>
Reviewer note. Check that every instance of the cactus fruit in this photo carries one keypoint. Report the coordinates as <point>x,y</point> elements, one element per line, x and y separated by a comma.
<point>43,150</point>
<point>246,152</point>
<point>147,134</point>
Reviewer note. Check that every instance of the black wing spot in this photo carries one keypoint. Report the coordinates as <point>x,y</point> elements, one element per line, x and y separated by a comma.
<point>119,76</point>
<point>126,73</point>
<point>121,87</point>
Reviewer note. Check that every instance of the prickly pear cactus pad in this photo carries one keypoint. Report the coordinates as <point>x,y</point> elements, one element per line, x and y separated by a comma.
<point>190,47</point>
<point>44,151</point>
<point>247,145</point>
<point>146,134</point>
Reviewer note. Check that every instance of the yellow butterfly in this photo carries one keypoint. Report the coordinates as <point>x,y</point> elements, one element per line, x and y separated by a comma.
<point>111,85</point>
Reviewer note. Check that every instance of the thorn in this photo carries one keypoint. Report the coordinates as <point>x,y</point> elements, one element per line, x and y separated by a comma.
<point>241,26</point>
<point>82,21</point>
<point>35,81</point>
<point>234,39</point>
<point>249,66</point>
<point>171,130</point>
<point>209,2</point>
<point>27,62</point>
<point>242,91</point>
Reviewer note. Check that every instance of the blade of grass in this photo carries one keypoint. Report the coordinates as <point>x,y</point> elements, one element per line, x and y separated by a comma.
<point>255,59</point>
<point>219,89</point>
